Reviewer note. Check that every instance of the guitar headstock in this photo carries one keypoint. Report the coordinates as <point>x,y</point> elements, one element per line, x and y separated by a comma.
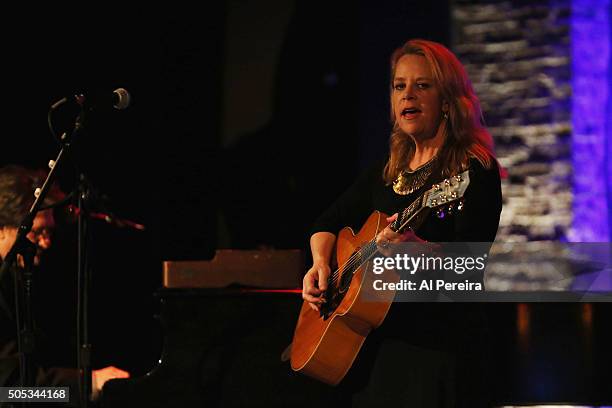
<point>447,195</point>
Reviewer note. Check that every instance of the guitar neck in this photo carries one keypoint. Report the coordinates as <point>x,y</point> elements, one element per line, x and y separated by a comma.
<point>413,216</point>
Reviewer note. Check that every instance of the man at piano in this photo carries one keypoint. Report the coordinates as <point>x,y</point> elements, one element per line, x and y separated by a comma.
<point>17,185</point>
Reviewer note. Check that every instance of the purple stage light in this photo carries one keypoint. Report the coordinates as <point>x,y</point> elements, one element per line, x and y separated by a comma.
<point>591,108</point>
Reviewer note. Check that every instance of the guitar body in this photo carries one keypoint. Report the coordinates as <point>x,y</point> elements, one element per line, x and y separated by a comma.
<point>325,344</point>
<point>326,348</point>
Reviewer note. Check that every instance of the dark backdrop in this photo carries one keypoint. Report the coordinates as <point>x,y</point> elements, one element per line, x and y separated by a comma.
<point>165,161</point>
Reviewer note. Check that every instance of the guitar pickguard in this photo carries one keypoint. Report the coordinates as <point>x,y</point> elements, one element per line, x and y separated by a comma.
<point>336,291</point>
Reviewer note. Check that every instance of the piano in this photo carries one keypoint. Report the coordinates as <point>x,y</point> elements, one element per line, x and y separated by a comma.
<point>227,323</point>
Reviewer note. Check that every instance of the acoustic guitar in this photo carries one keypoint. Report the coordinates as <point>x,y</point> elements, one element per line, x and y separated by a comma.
<point>326,343</point>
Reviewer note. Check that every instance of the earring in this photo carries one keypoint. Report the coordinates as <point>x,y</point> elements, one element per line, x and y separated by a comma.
<point>445,115</point>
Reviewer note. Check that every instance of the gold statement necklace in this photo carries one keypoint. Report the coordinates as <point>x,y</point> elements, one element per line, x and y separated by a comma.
<point>409,181</point>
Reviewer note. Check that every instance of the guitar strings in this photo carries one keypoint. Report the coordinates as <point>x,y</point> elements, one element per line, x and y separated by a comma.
<point>351,262</point>
<point>353,259</point>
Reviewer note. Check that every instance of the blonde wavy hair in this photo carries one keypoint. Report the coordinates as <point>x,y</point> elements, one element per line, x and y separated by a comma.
<point>466,135</point>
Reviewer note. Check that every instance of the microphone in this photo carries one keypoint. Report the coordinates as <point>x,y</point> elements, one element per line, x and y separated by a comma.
<point>119,99</point>
<point>71,212</point>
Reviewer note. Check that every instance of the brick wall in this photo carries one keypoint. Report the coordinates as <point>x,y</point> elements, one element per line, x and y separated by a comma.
<point>518,58</point>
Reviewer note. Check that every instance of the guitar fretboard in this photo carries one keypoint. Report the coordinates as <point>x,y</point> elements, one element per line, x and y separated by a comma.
<point>402,220</point>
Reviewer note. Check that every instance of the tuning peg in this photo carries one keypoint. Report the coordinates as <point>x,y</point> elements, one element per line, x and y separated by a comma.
<point>436,187</point>
<point>453,195</point>
<point>447,182</point>
<point>459,178</point>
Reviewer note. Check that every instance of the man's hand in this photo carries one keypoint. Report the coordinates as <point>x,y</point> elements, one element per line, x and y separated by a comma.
<point>99,377</point>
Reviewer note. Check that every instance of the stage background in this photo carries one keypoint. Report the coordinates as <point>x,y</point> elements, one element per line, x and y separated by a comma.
<point>249,118</point>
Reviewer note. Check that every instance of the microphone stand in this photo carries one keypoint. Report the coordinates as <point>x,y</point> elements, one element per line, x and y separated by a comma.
<point>87,198</point>
<point>84,195</point>
<point>84,352</point>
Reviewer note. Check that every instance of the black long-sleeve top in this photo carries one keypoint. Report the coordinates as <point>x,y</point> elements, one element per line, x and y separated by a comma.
<point>429,324</point>
<point>477,222</point>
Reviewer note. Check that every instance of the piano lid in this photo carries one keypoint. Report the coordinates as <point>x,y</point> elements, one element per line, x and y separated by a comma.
<point>252,268</point>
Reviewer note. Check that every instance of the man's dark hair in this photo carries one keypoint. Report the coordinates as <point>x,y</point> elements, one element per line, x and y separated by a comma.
<point>17,185</point>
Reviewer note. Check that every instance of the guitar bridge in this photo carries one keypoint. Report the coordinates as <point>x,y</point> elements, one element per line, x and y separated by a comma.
<point>333,301</point>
